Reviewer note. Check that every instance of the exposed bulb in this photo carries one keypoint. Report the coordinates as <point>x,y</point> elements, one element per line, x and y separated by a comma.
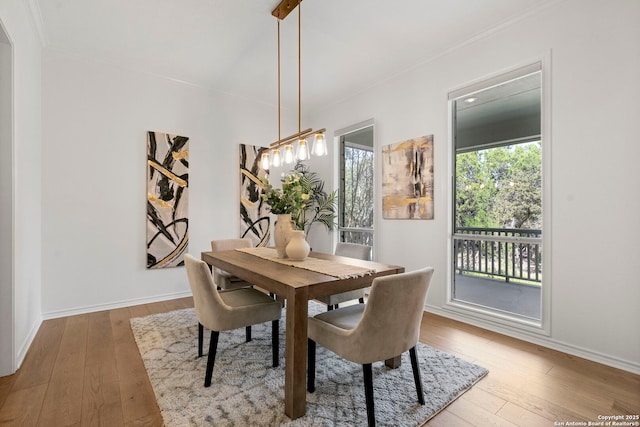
<point>276,161</point>
<point>319,145</point>
<point>264,161</point>
<point>303,150</point>
<point>288,154</point>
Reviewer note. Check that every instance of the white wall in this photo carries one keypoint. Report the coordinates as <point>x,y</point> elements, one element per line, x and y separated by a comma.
<point>95,120</point>
<point>594,225</point>
<point>26,174</point>
<point>6,208</point>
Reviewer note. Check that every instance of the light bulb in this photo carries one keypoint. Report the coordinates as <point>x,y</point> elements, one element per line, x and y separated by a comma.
<point>303,150</point>
<point>319,145</point>
<point>264,161</point>
<point>276,161</point>
<point>288,154</point>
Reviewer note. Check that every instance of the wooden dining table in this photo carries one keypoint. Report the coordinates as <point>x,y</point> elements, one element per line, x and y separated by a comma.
<point>297,286</point>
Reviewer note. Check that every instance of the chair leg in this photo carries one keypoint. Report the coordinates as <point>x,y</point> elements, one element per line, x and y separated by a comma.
<point>361,300</point>
<point>416,374</point>
<point>275,342</point>
<point>200,338</point>
<point>248,333</point>
<point>213,346</point>
<point>329,307</point>
<point>311,365</point>
<point>368,393</point>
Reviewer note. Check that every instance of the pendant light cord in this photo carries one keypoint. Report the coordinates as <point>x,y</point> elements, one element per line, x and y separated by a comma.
<point>299,61</point>
<point>279,115</point>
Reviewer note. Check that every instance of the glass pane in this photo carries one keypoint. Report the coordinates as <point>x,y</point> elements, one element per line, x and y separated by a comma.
<point>498,198</point>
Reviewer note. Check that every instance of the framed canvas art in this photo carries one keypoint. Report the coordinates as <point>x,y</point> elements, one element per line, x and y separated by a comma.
<point>254,213</point>
<point>407,179</point>
<point>167,199</point>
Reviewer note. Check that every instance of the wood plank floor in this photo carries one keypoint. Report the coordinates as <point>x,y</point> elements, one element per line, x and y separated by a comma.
<point>86,371</point>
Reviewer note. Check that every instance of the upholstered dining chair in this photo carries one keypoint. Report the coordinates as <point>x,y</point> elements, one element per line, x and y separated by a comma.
<point>229,309</point>
<point>224,280</point>
<point>221,278</point>
<point>383,328</point>
<point>351,250</point>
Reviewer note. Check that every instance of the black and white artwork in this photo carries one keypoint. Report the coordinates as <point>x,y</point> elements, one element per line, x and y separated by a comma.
<point>167,199</point>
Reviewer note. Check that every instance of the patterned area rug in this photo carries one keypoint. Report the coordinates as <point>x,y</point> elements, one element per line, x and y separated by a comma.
<point>247,391</point>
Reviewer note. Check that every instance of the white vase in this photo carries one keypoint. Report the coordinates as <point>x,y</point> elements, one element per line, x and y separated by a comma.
<point>281,233</point>
<point>298,248</point>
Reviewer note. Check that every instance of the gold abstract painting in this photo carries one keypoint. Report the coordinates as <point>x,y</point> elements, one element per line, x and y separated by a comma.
<point>167,199</point>
<point>254,212</point>
<point>407,179</point>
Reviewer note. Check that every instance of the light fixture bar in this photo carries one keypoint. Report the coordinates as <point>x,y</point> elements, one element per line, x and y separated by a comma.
<point>302,135</point>
<point>288,138</point>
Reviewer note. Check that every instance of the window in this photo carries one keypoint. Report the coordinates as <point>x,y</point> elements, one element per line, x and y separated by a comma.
<point>355,208</point>
<point>497,196</point>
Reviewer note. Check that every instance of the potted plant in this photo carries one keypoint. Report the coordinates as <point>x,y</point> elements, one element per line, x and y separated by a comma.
<point>300,202</point>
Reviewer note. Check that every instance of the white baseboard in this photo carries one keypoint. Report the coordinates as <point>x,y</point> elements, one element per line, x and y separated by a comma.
<point>544,341</point>
<point>110,306</point>
<point>26,344</point>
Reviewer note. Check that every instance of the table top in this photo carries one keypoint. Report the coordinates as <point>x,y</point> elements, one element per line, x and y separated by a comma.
<point>280,278</point>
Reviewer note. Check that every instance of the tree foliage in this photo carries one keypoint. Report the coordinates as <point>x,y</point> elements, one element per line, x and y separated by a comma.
<point>358,188</point>
<point>500,187</point>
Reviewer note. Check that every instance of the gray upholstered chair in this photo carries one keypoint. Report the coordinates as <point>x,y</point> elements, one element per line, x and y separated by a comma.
<point>230,309</point>
<point>351,250</point>
<point>383,328</point>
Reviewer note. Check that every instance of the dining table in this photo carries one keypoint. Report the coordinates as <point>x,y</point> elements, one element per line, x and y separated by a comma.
<point>297,282</point>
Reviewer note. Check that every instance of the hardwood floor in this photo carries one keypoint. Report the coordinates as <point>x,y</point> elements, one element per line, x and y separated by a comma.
<point>86,370</point>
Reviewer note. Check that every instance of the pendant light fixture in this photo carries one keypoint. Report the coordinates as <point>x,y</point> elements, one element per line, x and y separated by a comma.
<point>282,150</point>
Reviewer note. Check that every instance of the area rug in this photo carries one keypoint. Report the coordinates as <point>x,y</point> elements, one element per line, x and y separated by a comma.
<point>247,391</point>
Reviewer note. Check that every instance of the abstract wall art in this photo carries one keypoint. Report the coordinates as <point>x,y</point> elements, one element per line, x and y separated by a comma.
<point>167,199</point>
<point>407,179</point>
<point>254,212</point>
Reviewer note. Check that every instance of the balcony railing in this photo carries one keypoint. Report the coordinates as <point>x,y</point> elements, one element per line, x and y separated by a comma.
<point>361,235</point>
<point>510,253</point>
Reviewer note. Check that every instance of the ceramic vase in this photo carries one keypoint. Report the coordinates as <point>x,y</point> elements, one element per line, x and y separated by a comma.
<point>298,248</point>
<point>282,233</point>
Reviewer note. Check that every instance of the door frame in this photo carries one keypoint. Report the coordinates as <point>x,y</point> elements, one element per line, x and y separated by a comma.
<point>7,193</point>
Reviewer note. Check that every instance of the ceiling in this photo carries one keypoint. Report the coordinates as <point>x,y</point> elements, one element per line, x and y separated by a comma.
<point>230,45</point>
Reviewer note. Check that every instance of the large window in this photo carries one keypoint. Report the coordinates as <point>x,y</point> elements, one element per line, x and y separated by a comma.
<point>356,187</point>
<point>497,211</point>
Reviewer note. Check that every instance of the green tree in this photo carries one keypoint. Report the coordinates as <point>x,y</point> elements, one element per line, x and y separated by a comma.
<point>499,187</point>
<point>474,191</point>
<point>358,188</point>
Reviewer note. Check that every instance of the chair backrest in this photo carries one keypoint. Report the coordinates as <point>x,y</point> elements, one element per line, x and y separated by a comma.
<point>229,244</point>
<point>206,299</point>
<point>353,250</point>
<point>390,323</point>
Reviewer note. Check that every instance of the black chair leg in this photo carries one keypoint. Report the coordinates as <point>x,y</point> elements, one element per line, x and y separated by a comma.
<point>213,346</point>
<point>416,374</point>
<point>200,338</point>
<point>361,300</point>
<point>248,333</point>
<point>329,307</point>
<point>311,365</point>
<point>368,393</point>
<point>275,342</point>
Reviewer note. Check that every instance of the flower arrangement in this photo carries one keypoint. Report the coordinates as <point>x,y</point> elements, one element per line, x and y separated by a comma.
<point>292,198</point>
<point>302,195</point>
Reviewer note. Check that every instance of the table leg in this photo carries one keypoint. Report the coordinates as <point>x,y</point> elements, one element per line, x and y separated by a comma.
<point>295,390</point>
